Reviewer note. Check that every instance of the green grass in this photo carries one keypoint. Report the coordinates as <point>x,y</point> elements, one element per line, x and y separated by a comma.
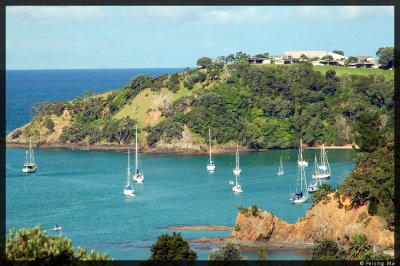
<point>389,75</point>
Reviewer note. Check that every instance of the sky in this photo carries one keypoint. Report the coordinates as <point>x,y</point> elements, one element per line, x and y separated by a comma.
<point>79,37</point>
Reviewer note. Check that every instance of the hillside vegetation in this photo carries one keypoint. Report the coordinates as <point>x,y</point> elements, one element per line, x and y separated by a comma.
<point>261,107</point>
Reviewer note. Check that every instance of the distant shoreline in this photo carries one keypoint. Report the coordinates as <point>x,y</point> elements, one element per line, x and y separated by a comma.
<point>114,147</point>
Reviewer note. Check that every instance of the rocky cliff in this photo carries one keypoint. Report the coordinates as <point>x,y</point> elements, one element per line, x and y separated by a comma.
<point>326,220</point>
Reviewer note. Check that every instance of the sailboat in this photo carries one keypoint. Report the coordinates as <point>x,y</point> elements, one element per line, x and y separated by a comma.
<point>237,188</point>
<point>314,186</point>
<point>300,160</point>
<point>210,165</point>
<point>128,190</point>
<point>324,170</point>
<point>299,197</point>
<point>237,169</point>
<point>280,170</point>
<point>30,165</point>
<point>138,175</point>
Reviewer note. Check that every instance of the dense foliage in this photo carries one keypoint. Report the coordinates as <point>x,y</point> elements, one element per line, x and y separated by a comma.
<point>226,252</point>
<point>273,107</point>
<point>328,250</point>
<point>372,180</point>
<point>36,245</point>
<point>172,248</point>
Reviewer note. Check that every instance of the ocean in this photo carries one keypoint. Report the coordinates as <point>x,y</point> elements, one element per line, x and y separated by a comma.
<point>83,190</point>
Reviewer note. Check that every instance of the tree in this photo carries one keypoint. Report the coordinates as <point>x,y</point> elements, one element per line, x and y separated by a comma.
<point>327,57</point>
<point>303,57</point>
<point>88,93</point>
<point>326,250</point>
<point>227,251</point>
<point>359,247</point>
<point>35,245</point>
<point>338,52</point>
<point>264,55</point>
<point>204,62</point>
<point>369,135</point>
<point>386,57</point>
<point>330,74</point>
<point>352,59</point>
<point>49,124</point>
<point>172,248</point>
<point>262,253</point>
<point>378,52</point>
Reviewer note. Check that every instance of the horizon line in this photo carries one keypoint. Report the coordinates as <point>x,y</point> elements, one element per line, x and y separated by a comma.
<point>117,68</point>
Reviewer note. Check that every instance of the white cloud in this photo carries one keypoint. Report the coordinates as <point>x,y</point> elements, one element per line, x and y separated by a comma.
<point>48,14</point>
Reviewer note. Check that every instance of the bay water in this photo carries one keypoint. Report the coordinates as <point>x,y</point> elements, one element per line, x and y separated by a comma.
<point>83,190</point>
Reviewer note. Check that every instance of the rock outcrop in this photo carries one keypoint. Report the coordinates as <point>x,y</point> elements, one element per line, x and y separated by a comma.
<point>324,221</point>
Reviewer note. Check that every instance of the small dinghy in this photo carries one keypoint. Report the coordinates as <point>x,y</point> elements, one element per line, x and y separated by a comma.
<point>57,227</point>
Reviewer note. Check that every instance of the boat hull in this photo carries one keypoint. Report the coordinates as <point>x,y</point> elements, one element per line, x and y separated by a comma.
<point>280,173</point>
<point>237,189</point>
<point>298,200</point>
<point>302,163</point>
<point>210,168</point>
<point>312,189</point>
<point>321,176</point>
<point>30,169</point>
<point>139,178</point>
<point>129,192</point>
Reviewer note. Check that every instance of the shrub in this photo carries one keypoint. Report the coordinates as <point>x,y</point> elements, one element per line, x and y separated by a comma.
<point>36,245</point>
<point>49,124</point>
<point>227,251</point>
<point>172,248</point>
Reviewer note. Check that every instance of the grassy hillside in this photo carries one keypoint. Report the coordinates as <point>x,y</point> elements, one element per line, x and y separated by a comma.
<point>260,106</point>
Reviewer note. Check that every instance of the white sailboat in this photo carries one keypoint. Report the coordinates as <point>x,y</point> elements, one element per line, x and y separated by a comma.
<point>280,170</point>
<point>298,196</point>
<point>128,190</point>
<point>324,170</point>
<point>138,176</point>
<point>210,165</point>
<point>237,169</point>
<point>314,186</point>
<point>237,188</point>
<point>300,160</point>
<point>29,165</point>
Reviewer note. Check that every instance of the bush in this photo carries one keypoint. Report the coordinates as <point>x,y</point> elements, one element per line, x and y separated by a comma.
<point>372,206</point>
<point>226,252</point>
<point>322,193</point>
<point>36,245</point>
<point>328,250</point>
<point>172,248</point>
<point>49,124</point>
<point>16,134</point>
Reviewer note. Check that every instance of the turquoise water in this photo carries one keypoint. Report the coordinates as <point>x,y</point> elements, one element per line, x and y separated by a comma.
<point>83,192</point>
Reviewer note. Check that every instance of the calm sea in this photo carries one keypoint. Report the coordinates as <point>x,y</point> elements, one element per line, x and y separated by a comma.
<point>83,190</point>
<point>24,88</point>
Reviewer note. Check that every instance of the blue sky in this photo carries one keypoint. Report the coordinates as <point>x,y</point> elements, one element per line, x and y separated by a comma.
<point>163,36</point>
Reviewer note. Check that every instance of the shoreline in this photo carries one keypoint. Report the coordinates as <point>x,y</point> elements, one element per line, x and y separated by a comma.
<point>115,147</point>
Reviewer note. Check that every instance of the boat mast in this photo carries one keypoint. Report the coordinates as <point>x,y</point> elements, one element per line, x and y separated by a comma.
<point>129,168</point>
<point>136,153</point>
<point>281,166</point>
<point>31,155</point>
<point>209,139</point>
<point>237,154</point>
<point>301,151</point>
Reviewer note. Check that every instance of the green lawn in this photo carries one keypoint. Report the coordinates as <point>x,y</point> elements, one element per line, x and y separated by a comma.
<point>388,74</point>
<point>356,71</point>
